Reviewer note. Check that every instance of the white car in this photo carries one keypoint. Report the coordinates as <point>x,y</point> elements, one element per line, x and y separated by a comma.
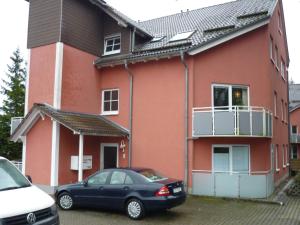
<point>21,202</point>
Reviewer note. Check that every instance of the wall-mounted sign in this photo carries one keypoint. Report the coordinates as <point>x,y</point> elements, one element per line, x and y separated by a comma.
<point>87,162</point>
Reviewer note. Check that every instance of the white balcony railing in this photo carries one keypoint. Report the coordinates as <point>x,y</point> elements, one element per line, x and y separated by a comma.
<point>295,138</point>
<point>232,121</point>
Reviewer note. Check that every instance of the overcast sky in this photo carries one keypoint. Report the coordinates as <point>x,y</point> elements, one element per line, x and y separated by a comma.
<point>14,19</point>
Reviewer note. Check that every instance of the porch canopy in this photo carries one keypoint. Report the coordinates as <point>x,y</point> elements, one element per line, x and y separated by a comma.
<point>80,123</point>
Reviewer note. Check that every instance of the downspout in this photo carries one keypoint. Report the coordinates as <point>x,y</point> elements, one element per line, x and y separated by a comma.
<point>130,112</point>
<point>289,122</point>
<point>186,150</point>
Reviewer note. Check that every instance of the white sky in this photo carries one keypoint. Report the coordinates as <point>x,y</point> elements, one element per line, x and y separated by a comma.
<point>14,19</point>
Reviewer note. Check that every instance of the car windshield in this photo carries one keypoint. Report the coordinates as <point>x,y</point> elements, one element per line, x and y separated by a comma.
<point>151,175</point>
<point>10,177</point>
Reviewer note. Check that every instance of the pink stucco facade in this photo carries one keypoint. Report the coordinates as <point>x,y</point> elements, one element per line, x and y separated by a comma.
<point>158,119</point>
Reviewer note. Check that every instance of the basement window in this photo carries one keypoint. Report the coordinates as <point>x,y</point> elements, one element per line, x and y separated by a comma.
<point>181,36</point>
<point>112,45</point>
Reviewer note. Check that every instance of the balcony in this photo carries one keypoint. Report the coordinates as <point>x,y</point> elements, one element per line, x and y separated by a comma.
<point>233,121</point>
<point>295,138</point>
<point>14,123</point>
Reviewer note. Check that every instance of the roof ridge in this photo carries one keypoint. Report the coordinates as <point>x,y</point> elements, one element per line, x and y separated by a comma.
<point>174,14</point>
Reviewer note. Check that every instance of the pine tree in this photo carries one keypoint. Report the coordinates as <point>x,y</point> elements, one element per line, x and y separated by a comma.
<point>13,89</point>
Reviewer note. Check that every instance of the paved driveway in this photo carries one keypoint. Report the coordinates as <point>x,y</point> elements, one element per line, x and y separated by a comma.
<point>197,211</point>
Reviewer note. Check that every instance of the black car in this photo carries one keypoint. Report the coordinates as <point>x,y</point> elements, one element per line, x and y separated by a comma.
<point>135,190</point>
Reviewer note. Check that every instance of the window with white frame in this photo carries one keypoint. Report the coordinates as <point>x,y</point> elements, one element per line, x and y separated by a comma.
<point>279,22</point>
<point>231,159</point>
<point>283,156</point>
<point>276,57</point>
<point>112,45</point>
<point>287,155</point>
<point>110,102</point>
<point>294,152</point>
<point>271,49</point>
<point>294,129</point>
<point>275,104</point>
<point>228,96</point>
<point>276,158</point>
<point>282,69</point>
<point>282,110</point>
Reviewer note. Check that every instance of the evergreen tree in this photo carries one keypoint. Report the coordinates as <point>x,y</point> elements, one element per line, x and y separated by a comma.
<point>13,89</point>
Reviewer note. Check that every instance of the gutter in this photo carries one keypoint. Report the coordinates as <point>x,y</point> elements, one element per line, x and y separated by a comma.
<point>186,150</point>
<point>130,112</point>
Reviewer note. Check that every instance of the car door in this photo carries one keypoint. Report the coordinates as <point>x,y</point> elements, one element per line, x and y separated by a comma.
<point>119,186</point>
<point>91,193</point>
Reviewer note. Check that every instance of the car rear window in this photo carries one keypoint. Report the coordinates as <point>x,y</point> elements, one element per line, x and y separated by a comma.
<point>151,175</point>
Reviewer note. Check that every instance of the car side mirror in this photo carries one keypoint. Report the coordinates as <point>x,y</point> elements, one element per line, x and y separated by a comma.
<point>29,178</point>
<point>85,183</point>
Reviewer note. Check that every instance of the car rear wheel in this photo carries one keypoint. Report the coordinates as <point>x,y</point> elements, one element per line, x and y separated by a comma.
<point>65,201</point>
<point>135,209</point>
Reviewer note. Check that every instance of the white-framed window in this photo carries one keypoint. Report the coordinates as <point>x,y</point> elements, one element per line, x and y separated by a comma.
<point>276,59</point>
<point>282,69</point>
<point>228,96</point>
<point>294,129</point>
<point>287,155</point>
<point>283,157</point>
<point>231,159</point>
<point>282,110</point>
<point>279,22</point>
<point>276,158</point>
<point>112,44</point>
<point>271,49</point>
<point>110,102</point>
<point>275,104</point>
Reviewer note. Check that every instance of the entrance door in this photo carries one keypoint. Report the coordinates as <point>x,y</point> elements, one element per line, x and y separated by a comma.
<point>109,156</point>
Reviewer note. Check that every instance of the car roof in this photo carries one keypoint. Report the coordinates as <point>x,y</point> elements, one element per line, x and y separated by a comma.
<point>134,169</point>
<point>2,157</point>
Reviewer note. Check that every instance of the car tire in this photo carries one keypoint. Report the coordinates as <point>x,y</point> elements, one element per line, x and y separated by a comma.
<point>135,209</point>
<point>65,201</point>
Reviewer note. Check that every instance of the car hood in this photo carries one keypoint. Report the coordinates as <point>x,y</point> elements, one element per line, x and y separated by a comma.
<point>24,200</point>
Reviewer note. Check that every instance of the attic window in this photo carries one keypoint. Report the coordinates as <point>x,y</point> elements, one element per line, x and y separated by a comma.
<point>250,15</point>
<point>219,28</point>
<point>156,39</point>
<point>112,45</point>
<point>181,36</point>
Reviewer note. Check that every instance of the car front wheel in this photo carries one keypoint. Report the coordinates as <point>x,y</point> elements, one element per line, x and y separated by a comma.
<point>65,201</point>
<point>135,209</point>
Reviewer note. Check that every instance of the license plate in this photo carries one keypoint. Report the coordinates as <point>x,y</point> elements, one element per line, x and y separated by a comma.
<point>176,190</point>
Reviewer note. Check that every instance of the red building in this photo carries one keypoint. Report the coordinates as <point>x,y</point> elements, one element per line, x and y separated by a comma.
<point>200,95</point>
<point>294,100</point>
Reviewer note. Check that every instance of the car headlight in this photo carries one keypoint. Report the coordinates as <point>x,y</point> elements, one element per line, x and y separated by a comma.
<point>53,210</point>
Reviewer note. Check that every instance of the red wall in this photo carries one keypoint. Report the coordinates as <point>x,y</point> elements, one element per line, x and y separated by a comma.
<point>38,151</point>
<point>42,71</point>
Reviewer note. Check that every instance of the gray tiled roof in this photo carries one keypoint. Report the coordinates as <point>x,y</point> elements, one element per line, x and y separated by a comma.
<point>209,24</point>
<point>86,124</point>
<point>294,94</point>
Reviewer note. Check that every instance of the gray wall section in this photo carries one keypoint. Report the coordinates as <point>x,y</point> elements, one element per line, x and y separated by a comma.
<point>44,20</point>
<point>235,185</point>
<point>224,123</point>
<point>83,25</point>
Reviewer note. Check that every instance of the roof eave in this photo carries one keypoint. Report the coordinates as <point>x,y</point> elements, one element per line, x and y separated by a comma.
<point>227,37</point>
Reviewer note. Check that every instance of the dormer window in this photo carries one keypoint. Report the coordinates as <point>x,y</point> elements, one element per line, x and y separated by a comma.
<point>112,45</point>
<point>181,36</point>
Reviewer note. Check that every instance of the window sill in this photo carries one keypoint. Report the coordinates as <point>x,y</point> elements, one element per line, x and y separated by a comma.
<point>279,31</point>
<point>277,170</point>
<point>111,53</point>
<point>287,165</point>
<point>276,117</point>
<point>284,166</point>
<point>112,113</point>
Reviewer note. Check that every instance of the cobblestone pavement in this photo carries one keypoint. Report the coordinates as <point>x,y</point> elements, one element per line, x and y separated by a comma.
<point>197,211</point>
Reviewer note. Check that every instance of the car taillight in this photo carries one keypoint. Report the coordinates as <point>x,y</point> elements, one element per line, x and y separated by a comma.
<point>164,191</point>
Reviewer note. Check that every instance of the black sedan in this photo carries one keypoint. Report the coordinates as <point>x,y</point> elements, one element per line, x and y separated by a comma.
<point>135,190</point>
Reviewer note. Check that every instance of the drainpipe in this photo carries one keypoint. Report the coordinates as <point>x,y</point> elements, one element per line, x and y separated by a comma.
<point>186,153</point>
<point>289,122</point>
<point>130,112</point>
